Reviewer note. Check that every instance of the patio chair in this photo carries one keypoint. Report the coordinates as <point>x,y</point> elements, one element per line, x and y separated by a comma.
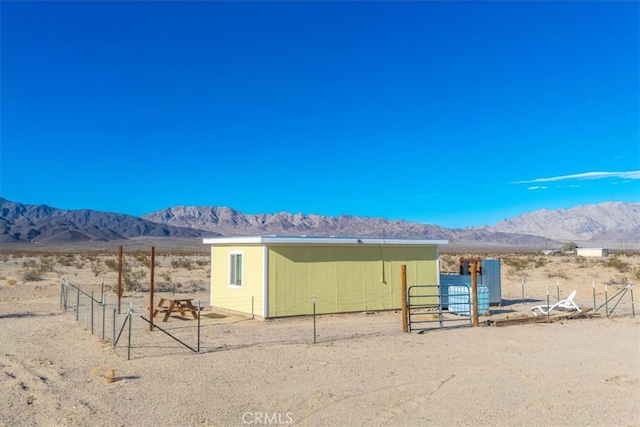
<point>564,305</point>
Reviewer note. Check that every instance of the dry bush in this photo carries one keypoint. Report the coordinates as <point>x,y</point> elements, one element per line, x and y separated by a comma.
<point>97,268</point>
<point>66,260</point>
<point>132,280</point>
<point>107,373</point>
<point>11,282</point>
<point>182,262</point>
<point>618,264</point>
<point>112,264</point>
<point>559,274</point>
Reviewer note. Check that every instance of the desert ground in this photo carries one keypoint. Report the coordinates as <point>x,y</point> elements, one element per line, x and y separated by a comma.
<point>60,368</point>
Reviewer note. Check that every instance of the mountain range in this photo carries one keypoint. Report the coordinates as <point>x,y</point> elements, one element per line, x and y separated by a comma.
<point>611,223</point>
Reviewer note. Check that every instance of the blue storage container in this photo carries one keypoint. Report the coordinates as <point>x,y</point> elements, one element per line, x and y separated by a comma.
<point>460,299</point>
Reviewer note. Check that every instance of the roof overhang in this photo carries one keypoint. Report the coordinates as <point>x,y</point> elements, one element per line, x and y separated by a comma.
<point>318,240</point>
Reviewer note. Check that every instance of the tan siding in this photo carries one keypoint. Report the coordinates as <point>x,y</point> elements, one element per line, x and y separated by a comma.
<point>249,299</point>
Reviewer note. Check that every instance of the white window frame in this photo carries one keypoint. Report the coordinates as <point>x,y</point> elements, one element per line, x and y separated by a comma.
<point>232,266</point>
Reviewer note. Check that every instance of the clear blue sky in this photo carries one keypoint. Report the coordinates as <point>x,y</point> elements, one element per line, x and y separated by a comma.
<point>450,113</point>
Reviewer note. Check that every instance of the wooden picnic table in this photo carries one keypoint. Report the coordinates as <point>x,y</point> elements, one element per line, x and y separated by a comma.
<point>175,305</point>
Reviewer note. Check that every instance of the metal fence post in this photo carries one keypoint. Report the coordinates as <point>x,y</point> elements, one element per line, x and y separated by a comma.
<point>103,315</point>
<point>91,312</point>
<point>78,304</point>
<point>198,326</point>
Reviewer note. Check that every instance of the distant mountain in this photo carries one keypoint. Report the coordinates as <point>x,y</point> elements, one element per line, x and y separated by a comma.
<point>227,221</point>
<point>607,222</point>
<point>604,222</point>
<point>43,224</point>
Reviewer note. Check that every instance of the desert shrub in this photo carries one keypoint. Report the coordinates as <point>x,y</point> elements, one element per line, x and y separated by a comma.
<point>559,274</point>
<point>618,264</point>
<point>132,280</point>
<point>540,262</point>
<point>112,264</point>
<point>66,260</point>
<point>618,280</point>
<point>568,247</point>
<point>202,262</point>
<point>11,282</point>
<point>97,268</point>
<point>31,274</point>
<point>636,273</point>
<point>141,257</point>
<point>517,263</point>
<point>182,263</point>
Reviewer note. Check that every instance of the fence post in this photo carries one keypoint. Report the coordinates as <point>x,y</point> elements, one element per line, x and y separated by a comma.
<point>403,283</point>
<point>151,285</point>
<point>474,292</point>
<point>129,340</point>
<point>91,312</point>
<point>313,302</point>
<point>78,304</point>
<point>198,326</point>
<point>103,314</point>
<point>119,277</point>
<point>113,329</point>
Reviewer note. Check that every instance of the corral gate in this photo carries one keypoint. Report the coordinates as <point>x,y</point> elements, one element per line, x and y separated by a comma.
<point>428,307</point>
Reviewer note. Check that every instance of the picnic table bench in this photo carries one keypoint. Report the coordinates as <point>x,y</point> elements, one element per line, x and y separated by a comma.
<point>175,305</point>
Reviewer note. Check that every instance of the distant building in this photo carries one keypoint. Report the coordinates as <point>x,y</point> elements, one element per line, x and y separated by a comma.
<point>592,252</point>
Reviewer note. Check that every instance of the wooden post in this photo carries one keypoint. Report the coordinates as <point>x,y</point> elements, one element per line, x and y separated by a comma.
<point>405,323</point>
<point>474,292</point>
<point>151,285</point>
<point>119,277</point>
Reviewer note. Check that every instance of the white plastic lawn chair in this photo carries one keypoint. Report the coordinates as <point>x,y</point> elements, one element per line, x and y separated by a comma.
<point>564,305</point>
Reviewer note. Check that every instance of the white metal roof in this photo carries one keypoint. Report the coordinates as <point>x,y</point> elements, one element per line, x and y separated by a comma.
<point>317,240</point>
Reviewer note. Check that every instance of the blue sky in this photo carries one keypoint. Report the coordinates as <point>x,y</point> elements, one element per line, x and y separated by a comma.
<point>450,113</point>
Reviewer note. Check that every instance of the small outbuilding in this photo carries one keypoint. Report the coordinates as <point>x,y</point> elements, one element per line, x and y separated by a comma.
<point>278,276</point>
<point>592,252</point>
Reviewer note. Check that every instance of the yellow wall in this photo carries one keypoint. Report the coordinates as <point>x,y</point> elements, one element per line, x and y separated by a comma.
<point>249,299</point>
<point>344,278</point>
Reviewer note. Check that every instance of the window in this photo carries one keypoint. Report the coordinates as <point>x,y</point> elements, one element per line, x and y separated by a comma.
<point>235,269</point>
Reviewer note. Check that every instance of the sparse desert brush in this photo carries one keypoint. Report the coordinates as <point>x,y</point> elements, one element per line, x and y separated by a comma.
<point>540,262</point>
<point>97,268</point>
<point>517,263</point>
<point>182,263</point>
<point>66,260</point>
<point>11,282</point>
<point>111,264</point>
<point>636,273</point>
<point>618,264</point>
<point>559,274</point>
<point>202,262</point>
<point>108,373</point>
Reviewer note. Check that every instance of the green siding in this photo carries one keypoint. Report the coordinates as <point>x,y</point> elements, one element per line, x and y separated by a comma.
<point>344,278</point>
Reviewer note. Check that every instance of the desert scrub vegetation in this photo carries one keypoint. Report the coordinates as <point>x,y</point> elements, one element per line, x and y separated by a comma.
<point>34,270</point>
<point>182,262</point>
<point>617,264</point>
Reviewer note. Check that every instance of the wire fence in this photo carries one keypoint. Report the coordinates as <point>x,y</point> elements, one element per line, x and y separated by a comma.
<point>610,300</point>
<point>138,334</point>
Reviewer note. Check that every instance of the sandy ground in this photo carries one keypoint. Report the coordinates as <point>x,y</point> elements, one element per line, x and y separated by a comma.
<point>362,371</point>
